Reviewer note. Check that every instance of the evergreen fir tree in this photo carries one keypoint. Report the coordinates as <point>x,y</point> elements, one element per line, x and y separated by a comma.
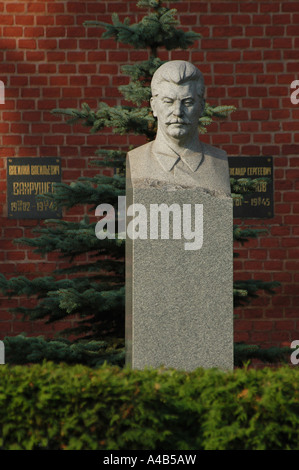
<point>97,297</point>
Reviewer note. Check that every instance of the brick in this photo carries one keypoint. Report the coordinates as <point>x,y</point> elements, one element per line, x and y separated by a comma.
<point>47,68</point>
<point>269,7</point>
<point>88,44</point>
<point>96,7</point>
<point>214,20</point>
<point>76,56</point>
<point>15,7</point>
<point>67,68</point>
<point>262,325</point>
<point>230,56</point>
<point>260,336</point>
<point>291,219</point>
<point>292,67</point>
<point>265,79</point>
<point>44,20</point>
<point>23,20</point>
<point>55,31</point>
<point>291,312</point>
<point>293,253</point>
<point>7,68</point>
<point>284,325</point>
<point>292,30</point>
<point>7,43</point>
<point>275,67</point>
<point>242,43</point>
<point>14,56</point>
<point>290,55</point>
<point>35,56</point>
<point>214,44</point>
<point>290,149</point>
<point>262,114</point>
<point>15,255</point>
<point>56,56</point>
<point>5,327</point>
<point>27,44</point>
<point>249,126</point>
<point>261,42</point>
<point>283,138</point>
<point>273,265</point>
<point>76,31</point>
<point>281,19</point>
<point>120,56</point>
<point>280,114</point>
<point>244,79</point>
<point>36,7</point>
<point>262,138</point>
<point>235,91</point>
<point>258,91</point>
<point>6,19</point>
<point>281,336</point>
<point>288,6</point>
<point>254,31</point>
<point>277,254</point>
<point>12,31</point>
<point>56,7</point>
<point>253,265</point>
<point>34,32</point>
<point>188,20</point>
<point>227,7</point>
<point>68,43</point>
<point>252,55</point>
<point>261,19</point>
<point>240,138</point>
<point>282,43</point>
<point>270,126</point>
<point>64,20</point>
<point>249,68</point>
<point>76,7</point>
<point>294,161</point>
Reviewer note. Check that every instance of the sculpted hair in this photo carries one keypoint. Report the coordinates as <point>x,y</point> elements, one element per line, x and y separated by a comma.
<point>178,72</point>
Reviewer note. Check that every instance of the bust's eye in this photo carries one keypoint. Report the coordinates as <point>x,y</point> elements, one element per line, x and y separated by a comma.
<point>167,101</point>
<point>188,103</point>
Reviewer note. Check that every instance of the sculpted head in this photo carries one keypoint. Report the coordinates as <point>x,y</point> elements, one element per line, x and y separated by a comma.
<point>177,100</point>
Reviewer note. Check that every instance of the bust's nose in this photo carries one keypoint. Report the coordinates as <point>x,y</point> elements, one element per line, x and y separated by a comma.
<point>177,108</point>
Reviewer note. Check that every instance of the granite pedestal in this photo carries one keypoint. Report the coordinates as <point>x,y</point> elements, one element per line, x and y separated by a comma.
<point>179,301</point>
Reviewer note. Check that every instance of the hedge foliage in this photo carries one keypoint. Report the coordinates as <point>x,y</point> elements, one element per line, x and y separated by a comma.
<point>62,407</point>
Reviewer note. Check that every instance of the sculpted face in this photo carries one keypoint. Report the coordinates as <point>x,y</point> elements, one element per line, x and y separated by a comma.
<point>177,108</point>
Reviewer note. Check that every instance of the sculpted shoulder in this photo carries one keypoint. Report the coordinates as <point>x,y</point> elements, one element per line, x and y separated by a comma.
<point>139,151</point>
<point>215,152</point>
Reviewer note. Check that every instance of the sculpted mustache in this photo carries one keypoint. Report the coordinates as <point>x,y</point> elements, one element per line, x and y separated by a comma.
<point>178,122</point>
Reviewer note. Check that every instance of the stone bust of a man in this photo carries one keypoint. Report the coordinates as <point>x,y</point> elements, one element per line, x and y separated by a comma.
<point>177,157</point>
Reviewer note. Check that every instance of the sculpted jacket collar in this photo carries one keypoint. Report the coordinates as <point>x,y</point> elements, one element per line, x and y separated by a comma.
<point>168,158</point>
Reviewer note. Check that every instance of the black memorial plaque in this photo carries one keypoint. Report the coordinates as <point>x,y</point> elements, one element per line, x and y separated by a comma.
<point>27,179</point>
<point>258,204</point>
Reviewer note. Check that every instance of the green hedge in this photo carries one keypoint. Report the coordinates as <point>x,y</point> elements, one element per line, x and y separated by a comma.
<point>50,406</point>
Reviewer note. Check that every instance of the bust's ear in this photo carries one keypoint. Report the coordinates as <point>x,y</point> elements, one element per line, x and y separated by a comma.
<point>203,104</point>
<point>152,102</point>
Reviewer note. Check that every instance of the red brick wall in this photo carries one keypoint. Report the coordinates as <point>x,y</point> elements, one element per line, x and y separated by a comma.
<point>249,56</point>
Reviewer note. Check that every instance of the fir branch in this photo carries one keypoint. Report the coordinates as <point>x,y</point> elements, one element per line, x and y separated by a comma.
<point>23,350</point>
<point>144,70</point>
<point>243,235</point>
<point>136,93</point>
<point>157,29</point>
<point>244,353</point>
<point>91,191</point>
